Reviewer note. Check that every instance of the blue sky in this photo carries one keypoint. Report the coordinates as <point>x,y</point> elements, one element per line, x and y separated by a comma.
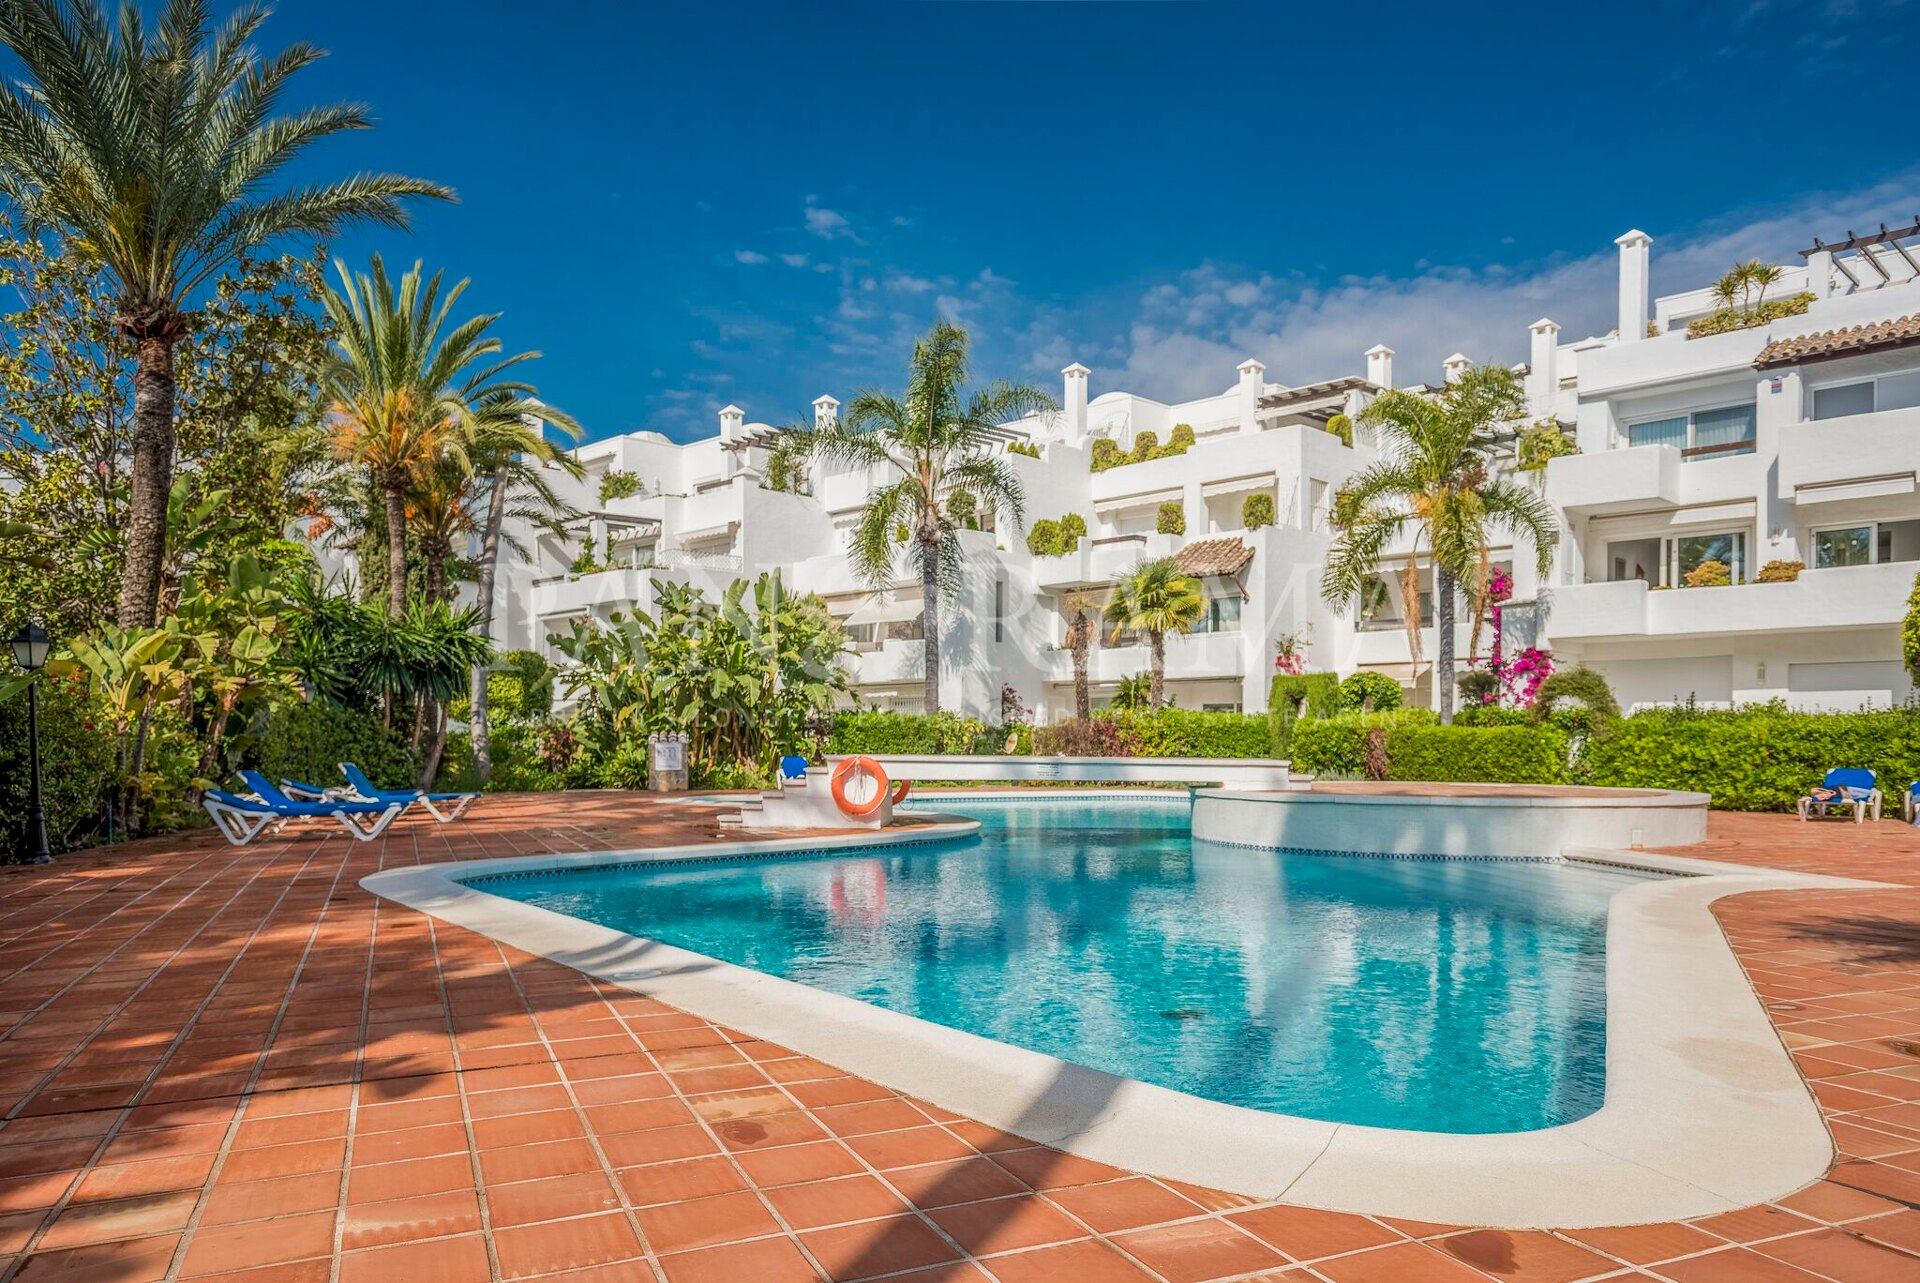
<point>685,205</point>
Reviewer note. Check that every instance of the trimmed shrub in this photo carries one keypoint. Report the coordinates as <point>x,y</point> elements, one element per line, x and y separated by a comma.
<point>1540,443</point>
<point>1095,737</point>
<point>1370,693</point>
<point>1341,426</point>
<point>1478,754</point>
<point>1761,757</point>
<point>76,768</point>
<point>1043,538</point>
<point>309,741</point>
<point>1492,715</point>
<point>1338,744</point>
<point>1779,572</point>
<point>1172,518</point>
<point>1106,454</point>
<point>1296,695</point>
<point>615,484</point>
<point>1180,439</point>
<point>1180,732</point>
<point>1256,510</point>
<point>1023,447</point>
<point>875,732</point>
<point>1580,684</point>
<point>1146,445</point>
<point>1709,574</point>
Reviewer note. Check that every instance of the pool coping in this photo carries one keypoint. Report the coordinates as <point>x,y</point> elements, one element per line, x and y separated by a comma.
<point>1705,1111</point>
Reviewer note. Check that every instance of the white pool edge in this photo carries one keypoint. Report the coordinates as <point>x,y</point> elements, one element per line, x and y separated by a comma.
<point>1704,1112</point>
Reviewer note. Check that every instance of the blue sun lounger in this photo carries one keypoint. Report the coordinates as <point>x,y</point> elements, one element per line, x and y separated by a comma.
<point>1846,787</point>
<point>366,788</point>
<point>241,819</point>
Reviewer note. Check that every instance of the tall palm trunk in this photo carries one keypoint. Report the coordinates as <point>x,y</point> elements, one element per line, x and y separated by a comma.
<point>152,479</point>
<point>1082,637</point>
<point>478,726</point>
<point>1156,668</point>
<point>1443,627</point>
<point>930,619</point>
<point>435,553</point>
<point>394,483</point>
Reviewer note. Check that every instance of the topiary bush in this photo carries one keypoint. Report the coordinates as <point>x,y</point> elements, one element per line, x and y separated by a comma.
<point>1370,693</point>
<point>1181,438</point>
<point>1584,687</point>
<point>1172,518</point>
<point>1295,695</point>
<point>1146,445</point>
<point>1256,510</point>
<point>1760,757</point>
<point>77,768</point>
<point>1341,426</point>
<point>1043,538</point>
<point>1026,448</point>
<point>1780,572</point>
<point>1106,454</point>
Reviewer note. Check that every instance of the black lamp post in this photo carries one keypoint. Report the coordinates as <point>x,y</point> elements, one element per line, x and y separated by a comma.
<point>30,650</point>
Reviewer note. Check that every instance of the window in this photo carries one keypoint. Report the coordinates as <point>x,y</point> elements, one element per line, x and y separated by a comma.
<point>1844,546</point>
<point>1687,553</point>
<point>1846,399</point>
<point>999,610</point>
<point>1709,434</point>
<point>1223,615</point>
<point>1866,544</point>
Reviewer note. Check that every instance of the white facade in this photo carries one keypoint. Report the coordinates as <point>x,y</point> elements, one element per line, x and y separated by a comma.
<point>1688,449</point>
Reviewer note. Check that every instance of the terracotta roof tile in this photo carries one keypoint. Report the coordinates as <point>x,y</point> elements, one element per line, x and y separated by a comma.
<point>1896,332</point>
<point>1213,557</point>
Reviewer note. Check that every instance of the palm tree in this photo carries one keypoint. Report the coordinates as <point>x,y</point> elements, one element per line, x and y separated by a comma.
<point>156,152</point>
<point>1079,640</point>
<point>1433,480</point>
<point>940,439</point>
<point>1156,599</point>
<point>406,393</point>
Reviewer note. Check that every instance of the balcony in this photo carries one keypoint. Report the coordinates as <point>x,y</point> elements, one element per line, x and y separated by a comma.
<point>1843,597</point>
<point>600,592</point>
<point>1615,480</point>
<point>1096,561</point>
<point>1194,655</point>
<point>1858,457</point>
<point>899,660</point>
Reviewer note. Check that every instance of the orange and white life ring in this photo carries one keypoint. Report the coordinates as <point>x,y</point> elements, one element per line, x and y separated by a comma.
<point>900,788</point>
<point>843,775</point>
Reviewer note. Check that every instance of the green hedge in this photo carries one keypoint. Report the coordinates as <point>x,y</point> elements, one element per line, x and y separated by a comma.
<point>1293,696</point>
<point>1418,749</point>
<point>1759,758</point>
<point>1171,732</point>
<point>1482,754</point>
<point>309,741</point>
<point>1338,744</point>
<point>76,769</point>
<point>1179,732</point>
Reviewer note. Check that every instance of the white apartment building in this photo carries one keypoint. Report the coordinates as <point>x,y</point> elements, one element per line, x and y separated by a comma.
<point>1795,440</point>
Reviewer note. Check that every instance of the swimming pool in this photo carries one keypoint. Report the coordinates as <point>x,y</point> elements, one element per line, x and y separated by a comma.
<point>1435,995</point>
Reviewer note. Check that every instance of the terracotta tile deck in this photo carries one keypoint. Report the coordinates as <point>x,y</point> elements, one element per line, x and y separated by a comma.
<point>236,1065</point>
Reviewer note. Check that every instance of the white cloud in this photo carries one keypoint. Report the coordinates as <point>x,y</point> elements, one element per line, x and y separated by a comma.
<point>794,260</point>
<point>828,224</point>
<point>749,256</point>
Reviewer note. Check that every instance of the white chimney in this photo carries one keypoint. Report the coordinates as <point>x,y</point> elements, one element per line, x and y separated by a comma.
<point>1380,365</point>
<point>732,419</point>
<point>1455,366</point>
<point>1543,368</point>
<point>1252,380</point>
<point>1076,401</point>
<point>826,411</point>
<point>1633,285</point>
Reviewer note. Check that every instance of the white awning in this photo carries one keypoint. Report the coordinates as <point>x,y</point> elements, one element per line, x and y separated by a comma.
<point>1146,499</point>
<point>708,534</point>
<point>1737,512</point>
<point>1238,485</point>
<point>886,612</point>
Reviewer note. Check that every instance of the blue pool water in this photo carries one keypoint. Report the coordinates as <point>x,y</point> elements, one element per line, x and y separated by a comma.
<point>1439,995</point>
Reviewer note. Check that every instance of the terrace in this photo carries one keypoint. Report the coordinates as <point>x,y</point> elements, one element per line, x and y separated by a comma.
<point>238,1064</point>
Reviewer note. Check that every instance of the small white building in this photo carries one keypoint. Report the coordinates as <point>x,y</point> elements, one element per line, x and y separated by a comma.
<point>1794,440</point>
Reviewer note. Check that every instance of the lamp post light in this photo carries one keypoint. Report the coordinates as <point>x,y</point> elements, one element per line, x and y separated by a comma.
<point>30,650</point>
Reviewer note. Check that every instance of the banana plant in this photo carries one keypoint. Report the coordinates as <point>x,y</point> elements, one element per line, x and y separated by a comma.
<point>232,636</point>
